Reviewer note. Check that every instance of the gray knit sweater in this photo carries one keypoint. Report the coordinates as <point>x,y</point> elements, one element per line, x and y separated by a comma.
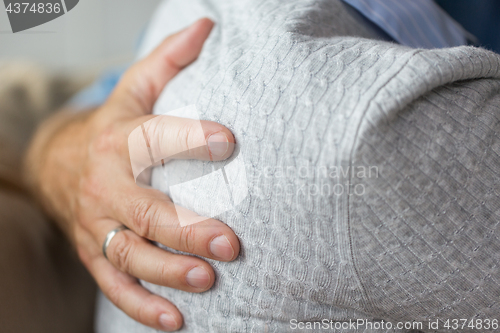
<point>371,171</point>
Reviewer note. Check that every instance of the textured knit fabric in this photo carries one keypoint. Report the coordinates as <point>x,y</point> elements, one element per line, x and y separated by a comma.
<point>312,102</point>
<point>410,23</point>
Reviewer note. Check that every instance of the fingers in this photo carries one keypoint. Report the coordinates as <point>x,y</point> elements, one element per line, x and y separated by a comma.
<point>142,84</point>
<point>152,215</point>
<point>125,291</point>
<point>136,256</point>
<point>180,138</point>
<point>165,137</point>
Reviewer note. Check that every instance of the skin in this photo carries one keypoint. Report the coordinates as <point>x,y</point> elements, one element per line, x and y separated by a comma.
<point>78,167</point>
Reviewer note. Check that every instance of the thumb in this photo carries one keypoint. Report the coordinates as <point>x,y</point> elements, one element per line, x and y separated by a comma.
<point>141,85</point>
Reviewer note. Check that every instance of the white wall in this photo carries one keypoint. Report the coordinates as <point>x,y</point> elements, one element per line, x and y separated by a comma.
<point>95,34</point>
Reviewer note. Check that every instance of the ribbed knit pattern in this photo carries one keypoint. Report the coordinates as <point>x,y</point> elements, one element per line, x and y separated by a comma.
<point>302,88</point>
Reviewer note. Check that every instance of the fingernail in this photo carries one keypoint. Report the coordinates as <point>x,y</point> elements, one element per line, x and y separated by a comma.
<point>221,248</point>
<point>218,144</point>
<point>168,322</point>
<point>198,277</point>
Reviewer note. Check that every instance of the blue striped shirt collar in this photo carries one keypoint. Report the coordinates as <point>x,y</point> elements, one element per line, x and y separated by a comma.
<point>419,24</point>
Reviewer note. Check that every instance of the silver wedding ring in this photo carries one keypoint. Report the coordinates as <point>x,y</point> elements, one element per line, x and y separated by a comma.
<point>109,237</point>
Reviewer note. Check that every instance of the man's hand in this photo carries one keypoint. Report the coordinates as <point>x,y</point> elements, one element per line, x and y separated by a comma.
<point>79,168</point>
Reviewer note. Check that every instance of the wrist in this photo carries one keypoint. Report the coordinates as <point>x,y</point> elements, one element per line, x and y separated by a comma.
<point>52,162</point>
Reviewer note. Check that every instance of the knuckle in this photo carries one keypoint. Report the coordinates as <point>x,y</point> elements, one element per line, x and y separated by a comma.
<point>91,185</point>
<point>114,293</point>
<point>122,252</point>
<point>187,238</point>
<point>153,129</point>
<point>143,310</point>
<point>110,139</point>
<point>142,213</point>
<point>164,272</point>
<point>186,136</point>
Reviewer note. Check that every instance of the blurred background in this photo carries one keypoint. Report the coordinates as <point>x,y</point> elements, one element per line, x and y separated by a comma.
<point>95,34</point>
<point>43,67</point>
